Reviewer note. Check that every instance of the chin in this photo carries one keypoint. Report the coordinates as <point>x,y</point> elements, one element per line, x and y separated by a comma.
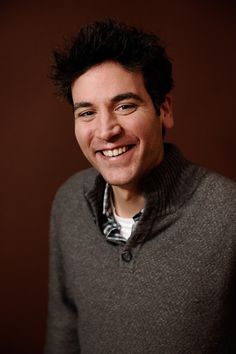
<point>119,180</point>
<point>116,181</point>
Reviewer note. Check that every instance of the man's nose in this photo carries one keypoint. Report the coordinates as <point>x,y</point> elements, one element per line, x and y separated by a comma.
<point>108,127</point>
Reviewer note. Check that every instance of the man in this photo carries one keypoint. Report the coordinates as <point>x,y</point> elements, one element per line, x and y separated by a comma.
<point>142,252</point>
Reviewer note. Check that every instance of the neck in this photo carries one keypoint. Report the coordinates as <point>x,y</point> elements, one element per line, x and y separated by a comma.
<point>127,202</point>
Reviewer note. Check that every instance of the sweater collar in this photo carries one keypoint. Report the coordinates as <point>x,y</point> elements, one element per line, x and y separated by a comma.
<point>164,187</point>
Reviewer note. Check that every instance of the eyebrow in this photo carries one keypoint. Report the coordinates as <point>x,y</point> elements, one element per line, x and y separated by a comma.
<point>115,99</point>
<point>81,104</point>
<point>125,96</point>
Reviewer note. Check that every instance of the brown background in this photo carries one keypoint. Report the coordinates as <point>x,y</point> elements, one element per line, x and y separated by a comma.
<point>38,147</point>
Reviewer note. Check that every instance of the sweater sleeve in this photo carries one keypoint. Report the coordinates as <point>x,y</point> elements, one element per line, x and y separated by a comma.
<point>62,335</point>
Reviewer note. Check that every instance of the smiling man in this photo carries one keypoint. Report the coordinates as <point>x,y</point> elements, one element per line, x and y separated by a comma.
<point>142,245</point>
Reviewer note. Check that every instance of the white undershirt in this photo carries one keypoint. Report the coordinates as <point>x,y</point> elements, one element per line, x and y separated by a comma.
<point>126,224</point>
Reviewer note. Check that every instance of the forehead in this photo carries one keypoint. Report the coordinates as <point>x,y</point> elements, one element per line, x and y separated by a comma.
<point>106,80</point>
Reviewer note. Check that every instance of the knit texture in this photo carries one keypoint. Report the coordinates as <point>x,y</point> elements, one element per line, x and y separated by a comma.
<point>169,289</point>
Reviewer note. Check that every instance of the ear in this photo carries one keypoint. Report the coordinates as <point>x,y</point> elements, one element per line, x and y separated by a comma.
<point>166,113</point>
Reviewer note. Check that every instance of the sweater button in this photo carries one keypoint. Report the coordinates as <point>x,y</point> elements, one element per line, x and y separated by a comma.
<point>127,256</point>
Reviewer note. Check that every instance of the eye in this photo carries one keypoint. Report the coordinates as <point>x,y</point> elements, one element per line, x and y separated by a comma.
<point>85,115</point>
<point>126,108</point>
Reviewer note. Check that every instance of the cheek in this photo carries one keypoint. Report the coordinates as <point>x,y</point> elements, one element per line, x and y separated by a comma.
<point>77,135</point>
<point>82,141</point>
<point>82,135</point>
<point>149,131</point>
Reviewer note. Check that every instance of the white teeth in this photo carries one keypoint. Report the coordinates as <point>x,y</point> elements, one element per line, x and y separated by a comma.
<point>115,152</point>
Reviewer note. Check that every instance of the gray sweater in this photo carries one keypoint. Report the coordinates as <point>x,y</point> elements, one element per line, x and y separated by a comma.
<point>169,290</point>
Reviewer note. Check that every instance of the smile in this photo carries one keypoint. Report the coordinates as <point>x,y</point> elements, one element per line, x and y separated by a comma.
<point>115,152</point>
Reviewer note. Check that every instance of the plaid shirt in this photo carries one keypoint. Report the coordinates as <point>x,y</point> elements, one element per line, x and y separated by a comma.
<point>110,227</point>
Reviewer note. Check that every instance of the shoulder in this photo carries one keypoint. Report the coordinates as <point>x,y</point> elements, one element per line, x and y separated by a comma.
<point>72,190</point>
<point>216,197</point>
<point>210,212</point>
<point>217,187</point>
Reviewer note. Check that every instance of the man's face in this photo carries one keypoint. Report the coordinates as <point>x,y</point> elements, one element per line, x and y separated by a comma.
<point>116,124</point>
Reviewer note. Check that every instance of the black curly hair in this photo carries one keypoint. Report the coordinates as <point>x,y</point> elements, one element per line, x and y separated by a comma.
<point>110,40</point>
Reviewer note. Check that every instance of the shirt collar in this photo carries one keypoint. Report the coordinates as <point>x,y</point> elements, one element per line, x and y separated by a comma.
<point>106,201</point>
